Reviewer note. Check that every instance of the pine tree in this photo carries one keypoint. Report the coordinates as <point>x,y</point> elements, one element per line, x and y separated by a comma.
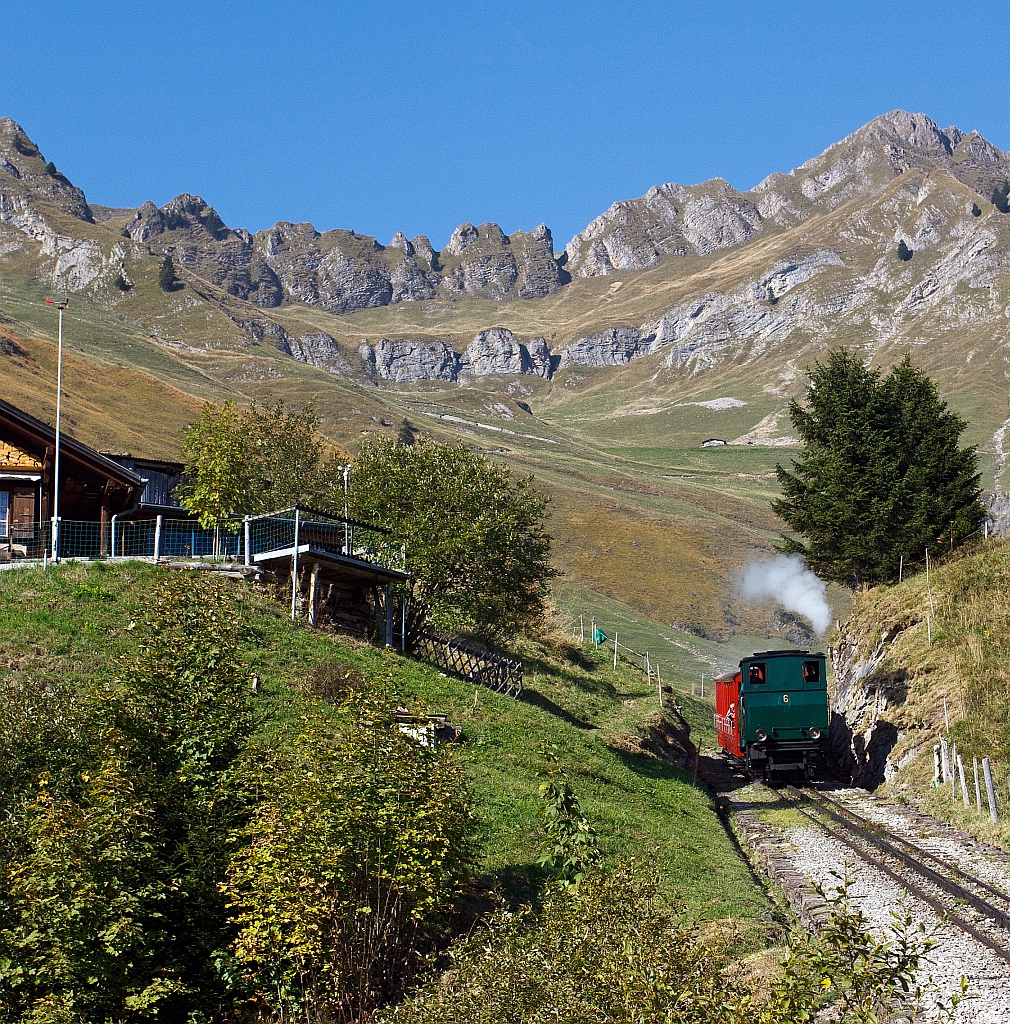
<point>1001,197</point>
<point>406,433</point>
<point>881,474</point>
<point>167,280</point>
<point>904,253</point>
<point>51,169</point>
<point>976,210</point>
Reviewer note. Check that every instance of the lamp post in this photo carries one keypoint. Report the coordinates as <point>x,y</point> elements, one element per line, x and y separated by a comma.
<point>56,462</point>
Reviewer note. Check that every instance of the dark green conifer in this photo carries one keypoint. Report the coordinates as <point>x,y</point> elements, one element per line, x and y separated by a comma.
<point>880,475</point>
<point>167,280</point>
<point>976,210</point>
<point>1001,197</point>
<point>51,169</point>
<point>904,253</point>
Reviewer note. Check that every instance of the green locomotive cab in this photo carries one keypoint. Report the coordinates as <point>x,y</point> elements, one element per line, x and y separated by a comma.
<point>783,706</point>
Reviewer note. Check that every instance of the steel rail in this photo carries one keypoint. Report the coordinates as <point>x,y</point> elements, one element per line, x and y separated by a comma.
<point>904,882</point>
<point>949,886</point>
<point>917,850</point>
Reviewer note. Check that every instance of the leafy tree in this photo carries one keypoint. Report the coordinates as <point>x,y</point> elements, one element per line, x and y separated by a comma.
<point>570,845</point>
<point>881,474</point>
<point>475,540</point>
<point>255,460</point>
<point>1001,197</point>
<point>904,253</point>
<point>167,280</point>
<point>116,825</point>
<point>356,850</point>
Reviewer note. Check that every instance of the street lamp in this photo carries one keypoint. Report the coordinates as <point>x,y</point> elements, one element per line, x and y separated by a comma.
<point>56,469</point>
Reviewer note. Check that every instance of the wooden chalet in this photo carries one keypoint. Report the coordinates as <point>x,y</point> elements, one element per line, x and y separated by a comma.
<point>93,488</point>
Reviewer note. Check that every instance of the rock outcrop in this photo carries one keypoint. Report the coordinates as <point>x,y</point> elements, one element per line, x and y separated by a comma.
<point>668,220</point>
<point>612,347</point>
<point>491,352</point>
<point>499,351</point>
<point>861,736</point>
<point>404,362</point>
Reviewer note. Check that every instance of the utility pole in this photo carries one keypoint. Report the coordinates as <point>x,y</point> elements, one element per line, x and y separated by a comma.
<point>56,461</point>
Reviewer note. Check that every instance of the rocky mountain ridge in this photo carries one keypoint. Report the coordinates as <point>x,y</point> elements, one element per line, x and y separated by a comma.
<point>804,255</point>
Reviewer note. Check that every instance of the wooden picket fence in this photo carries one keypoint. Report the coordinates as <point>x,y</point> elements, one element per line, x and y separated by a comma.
<point>495,671</point>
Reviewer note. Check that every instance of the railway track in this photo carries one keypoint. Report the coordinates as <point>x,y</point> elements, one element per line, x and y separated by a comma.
<point>943,887</point>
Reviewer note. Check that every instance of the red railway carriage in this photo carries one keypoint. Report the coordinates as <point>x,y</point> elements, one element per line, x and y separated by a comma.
<point>727,717</point>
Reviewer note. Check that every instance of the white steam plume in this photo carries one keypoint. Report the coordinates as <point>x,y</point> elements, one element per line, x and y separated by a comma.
<point>792,584</point>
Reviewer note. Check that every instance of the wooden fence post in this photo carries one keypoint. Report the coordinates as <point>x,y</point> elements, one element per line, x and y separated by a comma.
<point>314,594</point>
<point>660,680</point>
<point>615,650</point>
<point>157,538</point>
<point>989,791</point>
<point>978,792</point>
<point>245,531</point>
<point>964,785</point>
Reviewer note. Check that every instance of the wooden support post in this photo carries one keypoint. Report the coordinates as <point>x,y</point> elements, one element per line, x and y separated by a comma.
<point>389,614</point>
<point>157,538</point>
<point>103,532</point>
<point>936,764</point>
<point>314,594</point>
<point>294,570</point>
<point>989,791</point>
<point>901,566</point>
<point>403,623</point>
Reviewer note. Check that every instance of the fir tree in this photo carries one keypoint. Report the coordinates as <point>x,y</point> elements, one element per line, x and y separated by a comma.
<point>904,253</point>
<point>167,280</point>
<point>881,474</point>
<point>1001,197</point>
<point>976,210</point>
<point>51,169</point>
<point>406,433</point>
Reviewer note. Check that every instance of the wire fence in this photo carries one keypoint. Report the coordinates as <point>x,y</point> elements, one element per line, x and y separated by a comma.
<point>638,660</point>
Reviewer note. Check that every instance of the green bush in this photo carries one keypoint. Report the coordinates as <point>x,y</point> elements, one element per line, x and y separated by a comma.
<point>611,951</point>
<point>357,849</point>
<point>117,815</point>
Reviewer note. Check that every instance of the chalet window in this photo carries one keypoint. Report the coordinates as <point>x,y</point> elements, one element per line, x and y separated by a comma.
<point>5,500</point>
<point>811,671</point>
<point>757,673</point>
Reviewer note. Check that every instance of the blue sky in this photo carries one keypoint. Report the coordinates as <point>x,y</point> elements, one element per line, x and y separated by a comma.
<point>418,116</point>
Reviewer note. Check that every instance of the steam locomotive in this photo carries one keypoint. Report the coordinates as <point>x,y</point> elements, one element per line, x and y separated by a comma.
<point>772,713</point>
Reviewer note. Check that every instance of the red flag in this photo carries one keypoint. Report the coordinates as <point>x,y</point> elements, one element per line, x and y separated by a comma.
<point>49,302</point>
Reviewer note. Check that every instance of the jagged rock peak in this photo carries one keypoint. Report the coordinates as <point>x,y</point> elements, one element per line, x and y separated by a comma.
<point>400,242</point>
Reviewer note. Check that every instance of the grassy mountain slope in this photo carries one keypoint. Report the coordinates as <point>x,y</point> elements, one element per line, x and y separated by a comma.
<point>642,515</point>
<point>934,662</point>
<point>74,622</point>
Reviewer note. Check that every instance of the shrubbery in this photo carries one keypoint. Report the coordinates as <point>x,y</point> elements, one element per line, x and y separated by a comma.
<point>156,863</point>
<point>613,951</point>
